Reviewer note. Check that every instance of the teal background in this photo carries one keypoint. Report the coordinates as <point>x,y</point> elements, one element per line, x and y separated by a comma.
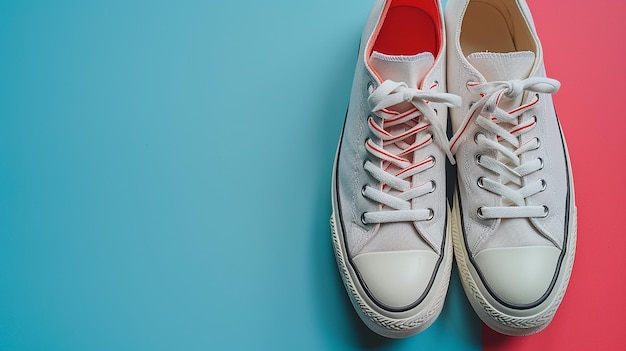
<point>165,178</point>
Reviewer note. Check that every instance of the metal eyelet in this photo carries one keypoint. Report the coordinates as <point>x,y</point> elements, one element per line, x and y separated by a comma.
<point>479,213</point>
<point>537,96</point>
<point>538,143</point>
<point>480,183</point>
<point>476,137</point>
<point>434,160</point>
<point>434,184</point>
<point>431,214</point>
<point>363,190</point>
<point>369,87</point>
<point>546,211</point>
<point>437,113</point>
<point>470,105</point>
<point>541,161</point>
<point>544,185</point>
<point>477,158</point>
<point>363,218</point>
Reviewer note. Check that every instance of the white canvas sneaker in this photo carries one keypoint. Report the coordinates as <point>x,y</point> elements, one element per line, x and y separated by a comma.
<point>514,217</point>
<point>390,215</point>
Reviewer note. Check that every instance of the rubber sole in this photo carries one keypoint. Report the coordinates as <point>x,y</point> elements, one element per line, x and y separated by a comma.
<point>490,311</point>
<point>382,324</point>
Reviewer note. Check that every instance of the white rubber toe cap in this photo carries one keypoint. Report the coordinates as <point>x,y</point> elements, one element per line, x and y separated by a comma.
<point>520,275</point>
<point>396,279</point>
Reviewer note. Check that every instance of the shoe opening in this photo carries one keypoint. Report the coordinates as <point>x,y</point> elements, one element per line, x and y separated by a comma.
<point>409,27</point>
<point>495,26</point>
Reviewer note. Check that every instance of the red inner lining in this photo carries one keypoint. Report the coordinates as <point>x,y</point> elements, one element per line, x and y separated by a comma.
<point>410,27</point>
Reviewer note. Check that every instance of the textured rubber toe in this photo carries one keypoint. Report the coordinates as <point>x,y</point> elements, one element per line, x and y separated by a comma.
<point>397,279</point>
<point>519,276</point>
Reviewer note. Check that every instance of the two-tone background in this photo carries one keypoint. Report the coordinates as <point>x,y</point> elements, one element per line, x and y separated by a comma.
<point>165,177</point>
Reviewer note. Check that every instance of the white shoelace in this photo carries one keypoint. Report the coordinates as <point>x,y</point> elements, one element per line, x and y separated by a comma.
<point>398,168</point>
<point>493,120</point>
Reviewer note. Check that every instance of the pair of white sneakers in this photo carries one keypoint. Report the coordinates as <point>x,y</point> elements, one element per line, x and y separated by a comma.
<point>512,221</point>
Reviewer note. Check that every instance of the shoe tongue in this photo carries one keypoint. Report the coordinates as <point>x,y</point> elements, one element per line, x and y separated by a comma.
<point>503,66</point>
<point>495,66</point>
<point>410,70</point>
<point>399,68</point>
